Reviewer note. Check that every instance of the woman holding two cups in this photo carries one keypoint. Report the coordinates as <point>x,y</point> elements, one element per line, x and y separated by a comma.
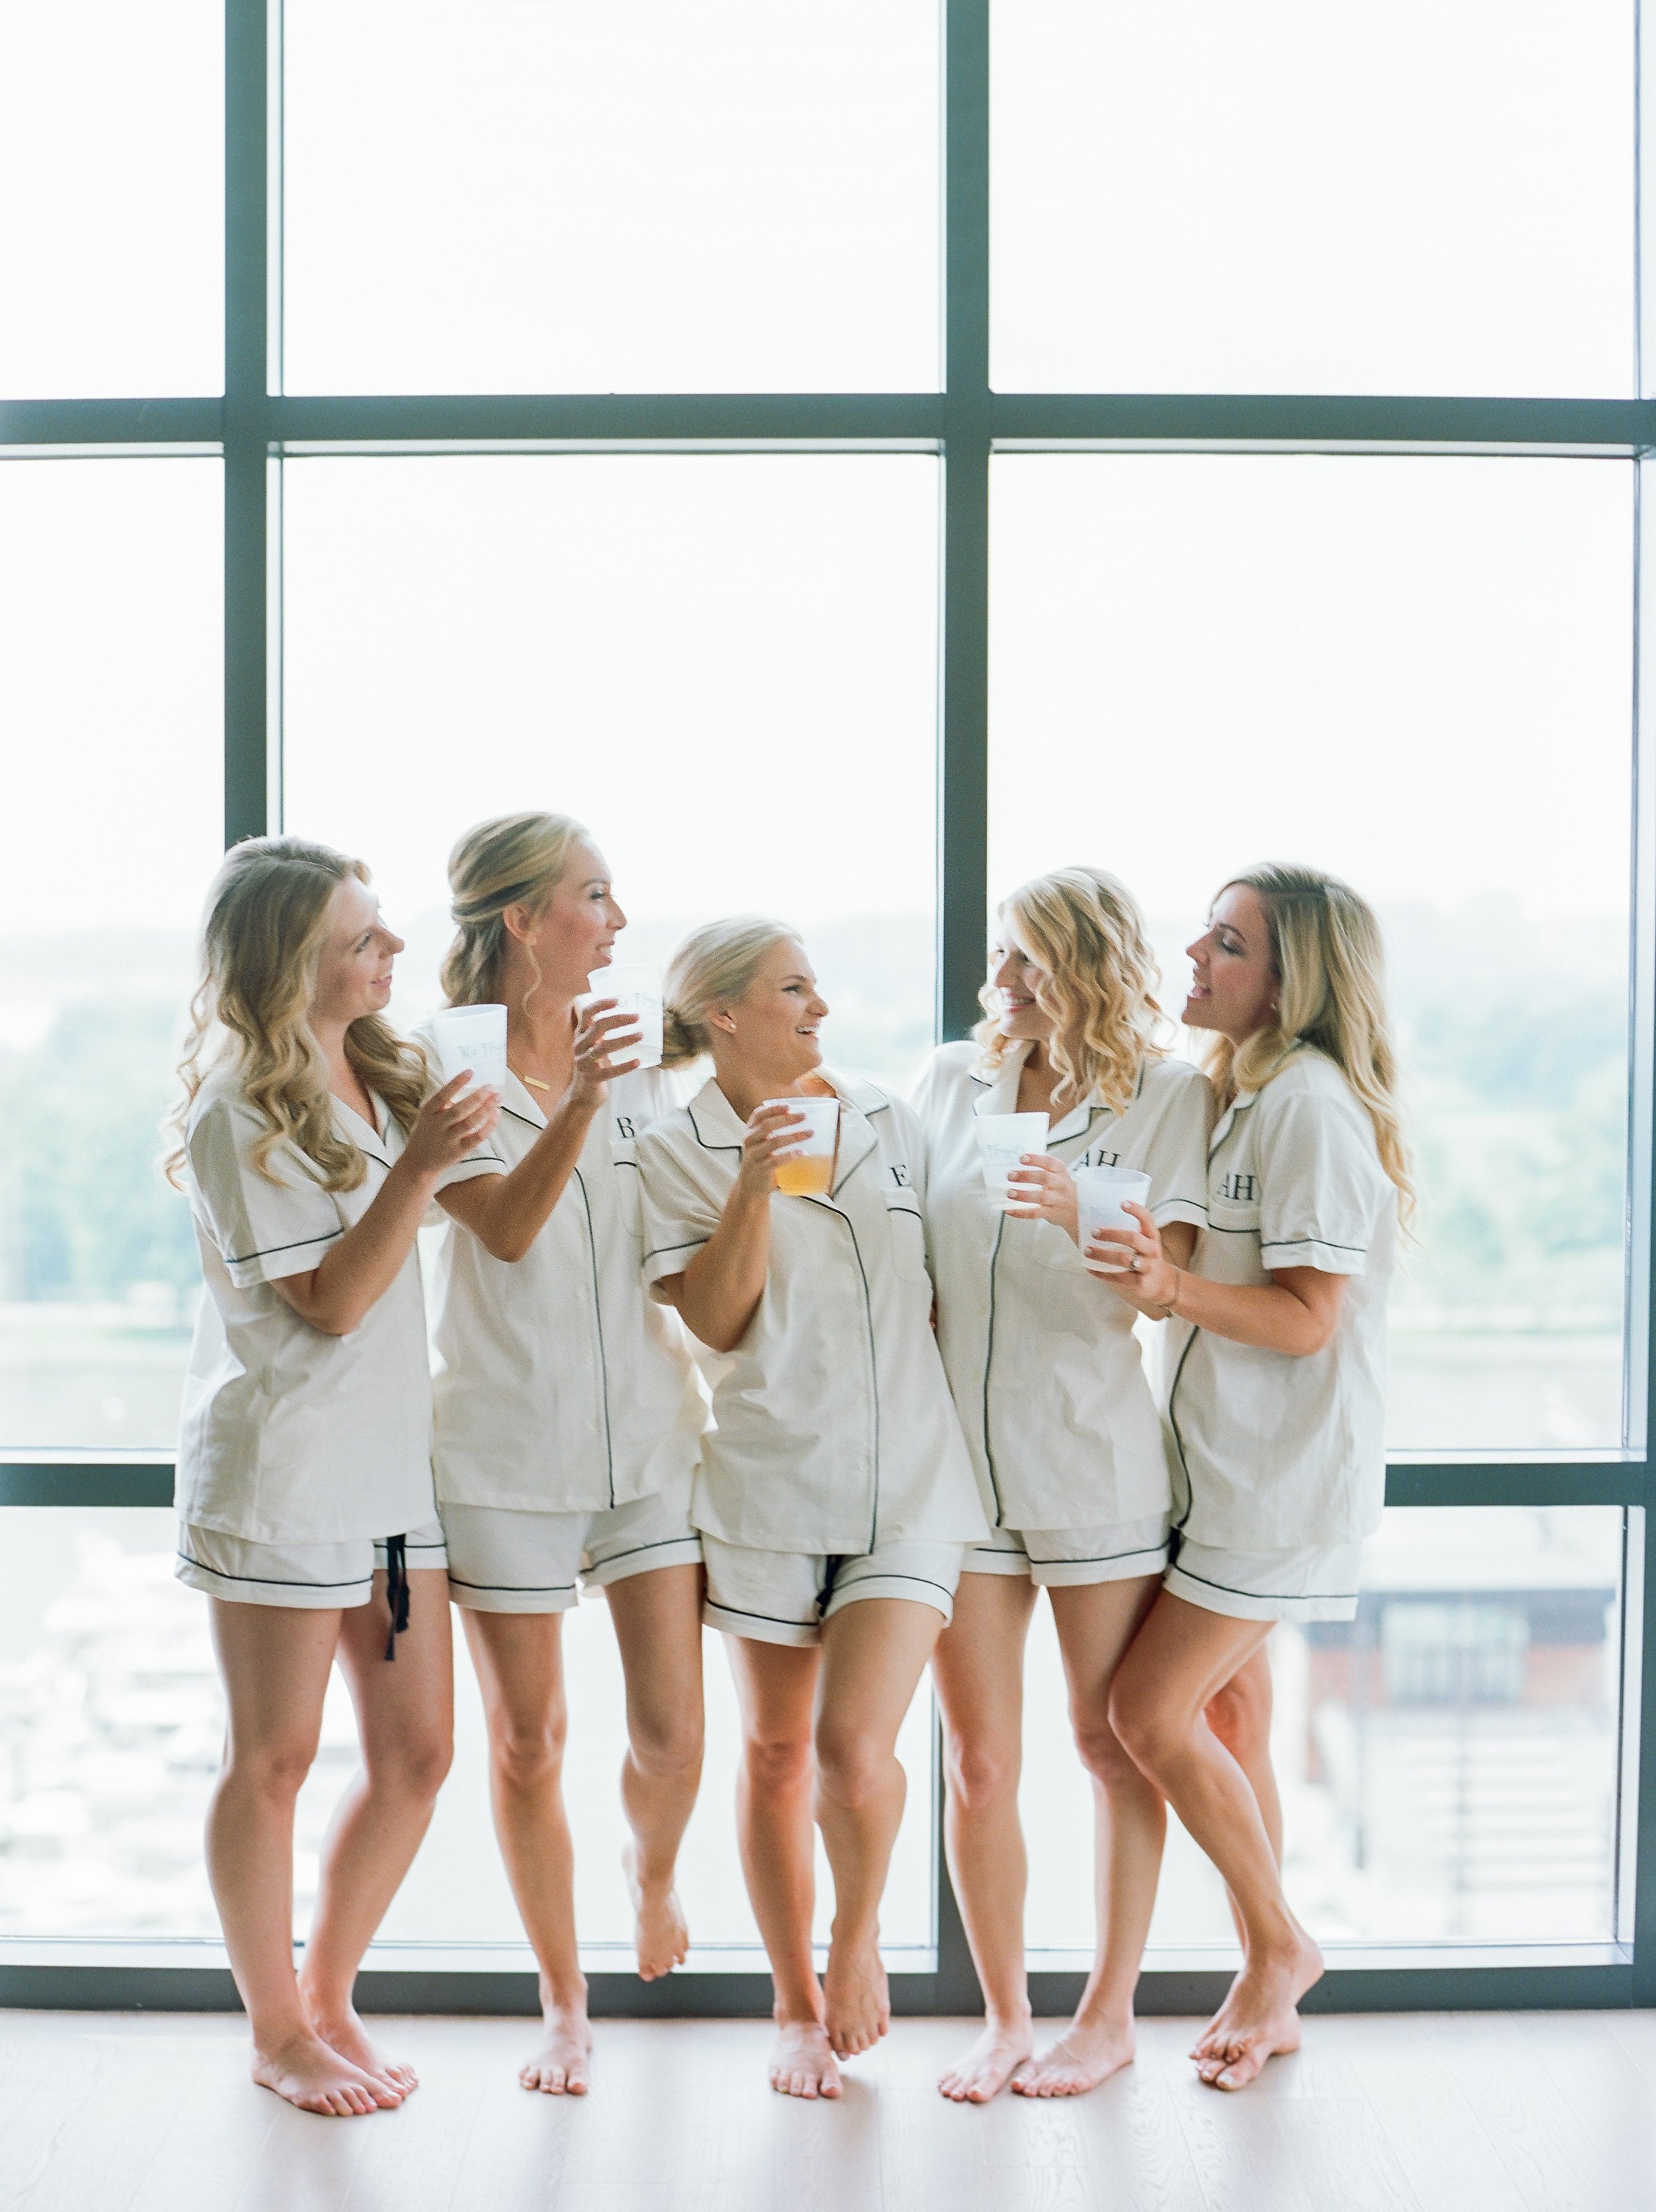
<point>569,1410</point>
<point>1064,1432</point>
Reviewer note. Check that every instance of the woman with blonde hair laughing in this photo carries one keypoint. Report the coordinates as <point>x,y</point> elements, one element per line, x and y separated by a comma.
<point>834,1496</point>
<point>568,1412</point>
<point>1062,1429</point>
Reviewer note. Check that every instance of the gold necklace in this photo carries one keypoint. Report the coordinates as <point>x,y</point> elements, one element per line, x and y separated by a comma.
<point>535,1083</point>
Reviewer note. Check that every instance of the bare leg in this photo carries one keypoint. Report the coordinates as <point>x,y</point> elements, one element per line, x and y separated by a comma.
<point>1096,1622</point>
<point>405,1716</point>
<point>1181,1658</point>
<point>658,1626</point>
<point>1240,1716</point>
<point>777,1684</point>
<point>979,1669</point>
<point>275,1660</point>
<point>520,1664</point>
<point>874,1653</point>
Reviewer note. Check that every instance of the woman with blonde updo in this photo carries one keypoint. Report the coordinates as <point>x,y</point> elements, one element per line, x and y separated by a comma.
<point>569,1410</point>
<point>834,1497</point>
<point>1063,1428</point>
<point>1276,1395</point>
<point>311,1146</point>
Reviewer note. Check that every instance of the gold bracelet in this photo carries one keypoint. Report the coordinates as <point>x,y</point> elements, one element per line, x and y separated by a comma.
<point>1167,1312</point>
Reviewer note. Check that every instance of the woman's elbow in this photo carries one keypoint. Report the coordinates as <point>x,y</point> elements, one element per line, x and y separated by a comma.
<point>716,1340</point>
<point>505,1245</point>
<point>331,1319</point>
<point>1315,1335</point>
<point>709,1328</point>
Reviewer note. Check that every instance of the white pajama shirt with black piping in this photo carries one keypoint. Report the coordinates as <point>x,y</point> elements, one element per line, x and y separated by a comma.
<point>569,1411</point>
<point>1280,1462</point>
<point>1060,1420</point>
<point>835,1470</point>
<point>304,1458</point>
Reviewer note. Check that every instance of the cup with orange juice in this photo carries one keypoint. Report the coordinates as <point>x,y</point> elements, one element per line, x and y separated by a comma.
<point>807,1170</point>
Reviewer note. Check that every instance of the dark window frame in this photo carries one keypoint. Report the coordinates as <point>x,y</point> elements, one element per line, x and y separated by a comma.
<point>252,427</point>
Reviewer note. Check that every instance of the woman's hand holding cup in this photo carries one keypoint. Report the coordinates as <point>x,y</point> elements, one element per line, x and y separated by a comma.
<point>1133,1264</point>
<point>773,1131</point>
<point>600,1032</point>
<point>1041,1189</point>
<point>453,1122</point>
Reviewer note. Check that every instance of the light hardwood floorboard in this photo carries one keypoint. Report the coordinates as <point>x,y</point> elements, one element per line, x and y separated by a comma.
<point>1443,2112</point>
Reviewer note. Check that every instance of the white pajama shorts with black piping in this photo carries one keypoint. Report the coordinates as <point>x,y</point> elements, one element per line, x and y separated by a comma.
<point>502,1560</point>
<point>1317,1582</point>
<point>306,1576</point>
<point>784,1597</point>
<point>1066,1557</point>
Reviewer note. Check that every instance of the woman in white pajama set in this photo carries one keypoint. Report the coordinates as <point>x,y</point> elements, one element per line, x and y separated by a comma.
<point>835,1496</point>
<point>569,1410</point>
<point>1063,1430</point>
<point>311,1153</point>
<point>1275,1401</point>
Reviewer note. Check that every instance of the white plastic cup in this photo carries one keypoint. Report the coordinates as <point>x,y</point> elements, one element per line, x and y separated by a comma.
<point>1101,1196</point>
<point>635,987</point>
<point>805,1169</point>
<point>1002,1140</point>
<point>473,1038</point>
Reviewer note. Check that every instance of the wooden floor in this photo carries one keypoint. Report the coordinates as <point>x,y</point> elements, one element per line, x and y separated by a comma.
<point>1445,2112</point>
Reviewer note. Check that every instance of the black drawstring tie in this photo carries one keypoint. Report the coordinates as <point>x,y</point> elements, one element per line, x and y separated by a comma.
<point>396,1589</point>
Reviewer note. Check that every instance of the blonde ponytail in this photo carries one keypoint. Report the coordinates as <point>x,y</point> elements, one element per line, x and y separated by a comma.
<point>712,968</point>
<point>515,859</point>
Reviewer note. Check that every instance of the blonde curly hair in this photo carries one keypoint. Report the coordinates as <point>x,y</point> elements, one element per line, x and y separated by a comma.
<point>262,939</point>
<point>1084,928</point>
<point>1329,960</point>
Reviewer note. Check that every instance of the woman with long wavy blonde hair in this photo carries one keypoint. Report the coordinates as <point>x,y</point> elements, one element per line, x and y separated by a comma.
<point>1277,1394</point>
<point>311,1144</point>
<point>1062,1427</point>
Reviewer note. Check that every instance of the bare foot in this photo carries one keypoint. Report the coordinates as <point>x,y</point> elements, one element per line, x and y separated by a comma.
<point>856,1996</point>
<point>561,2066</point>
<point>1088,2052</point>
<point>1258,2019</point>
<point>802,2065</point>
<point>660,1935</point>
<point>344,2032</point>
<point>310,2075</point>
<point>986,2068</point>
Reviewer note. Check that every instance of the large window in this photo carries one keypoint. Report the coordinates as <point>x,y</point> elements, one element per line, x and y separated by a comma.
<point>111,173</point>
<point>1418,671</point>
<point>1386,196</point>
<point>619,416</point>
<point>1448,1761</point>
<point>110,596</point>
<point>712,662</point>
<point>114,1721</point>
<point>731,197</point>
